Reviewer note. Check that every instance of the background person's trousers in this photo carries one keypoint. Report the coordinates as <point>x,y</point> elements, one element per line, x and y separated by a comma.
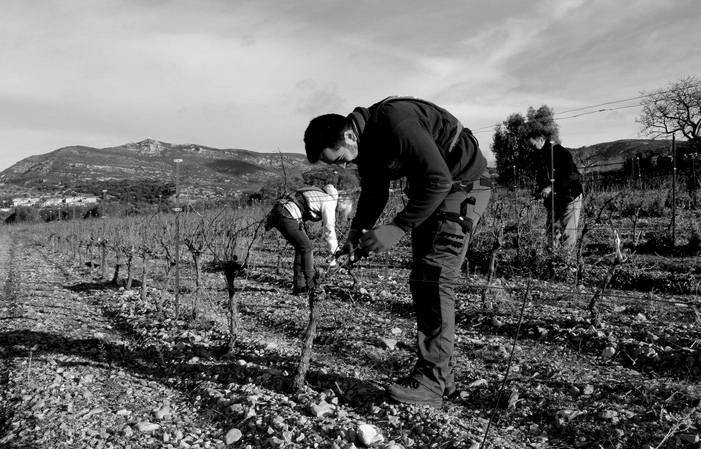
<point>566,220</point>
<point>293,231</point>
<point>439,246</point>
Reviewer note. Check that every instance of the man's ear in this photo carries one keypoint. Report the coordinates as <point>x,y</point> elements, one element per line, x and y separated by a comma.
<point>350,135</point>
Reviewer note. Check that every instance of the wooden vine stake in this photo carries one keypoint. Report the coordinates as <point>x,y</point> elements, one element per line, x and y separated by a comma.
<point>618,259</point>
<point>498,232</point>
<point>315,296</point>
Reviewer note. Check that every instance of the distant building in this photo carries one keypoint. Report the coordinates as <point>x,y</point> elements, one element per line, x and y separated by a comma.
<point>80,200</point>
<point>25,201</point>
<point>51,202</point>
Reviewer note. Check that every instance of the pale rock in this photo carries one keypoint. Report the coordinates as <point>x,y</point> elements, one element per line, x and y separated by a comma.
<point>607,414</point>
<point>241,363</point>
<point>232,436</point>
<point>640,317</point>
<point>396,331</point>
<point>322,409</point>
<point>145,426</point>
<point>251,412</point>
<point>384,294</point>
<point>388,343</point>
<point>163,413</point>
<point>369,434</point>
<point>363,291</point>
<point>608,352</point>
<point>278,422</point>
<point>477,383</point>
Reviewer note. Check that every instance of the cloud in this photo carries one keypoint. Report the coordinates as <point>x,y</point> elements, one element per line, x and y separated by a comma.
<point>252,73</point>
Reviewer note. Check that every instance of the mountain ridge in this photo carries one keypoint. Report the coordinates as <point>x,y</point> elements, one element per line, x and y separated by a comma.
<point>206,171</point>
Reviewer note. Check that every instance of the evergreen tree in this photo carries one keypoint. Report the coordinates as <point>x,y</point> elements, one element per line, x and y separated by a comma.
<point>514,158</point>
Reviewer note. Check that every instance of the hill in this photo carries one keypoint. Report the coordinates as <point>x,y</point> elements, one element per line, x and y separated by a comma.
<point>149,168</point>
<point>203,172</point>
<point>608,156</point>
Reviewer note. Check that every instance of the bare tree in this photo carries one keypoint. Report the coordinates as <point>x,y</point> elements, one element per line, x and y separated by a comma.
<point>674,110</point>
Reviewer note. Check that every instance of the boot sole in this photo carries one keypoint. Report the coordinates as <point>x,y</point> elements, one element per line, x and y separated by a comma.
<point>438,403</point>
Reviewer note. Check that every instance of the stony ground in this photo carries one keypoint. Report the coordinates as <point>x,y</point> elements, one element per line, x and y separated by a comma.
<point>87,363</point>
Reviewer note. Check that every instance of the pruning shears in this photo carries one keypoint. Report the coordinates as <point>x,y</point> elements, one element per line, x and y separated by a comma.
<point>344,261</point>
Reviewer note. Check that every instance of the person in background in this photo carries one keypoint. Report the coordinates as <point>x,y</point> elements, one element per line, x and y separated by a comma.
<point>558,184</point>
<point>288,216</point>
<point>448,190</point>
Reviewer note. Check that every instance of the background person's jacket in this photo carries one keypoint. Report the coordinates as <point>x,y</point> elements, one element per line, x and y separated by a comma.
<point>567,185</point>
<point>410,137</point>
<point>313,204</point>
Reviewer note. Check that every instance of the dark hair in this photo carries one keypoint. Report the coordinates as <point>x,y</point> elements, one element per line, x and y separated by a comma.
<point>325,131</point>
<point>536,132</point>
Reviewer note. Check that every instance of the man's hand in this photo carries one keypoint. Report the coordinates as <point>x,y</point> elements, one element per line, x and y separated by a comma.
<point>545,192</point>
<point>351,244</point>
<point>381,238</point>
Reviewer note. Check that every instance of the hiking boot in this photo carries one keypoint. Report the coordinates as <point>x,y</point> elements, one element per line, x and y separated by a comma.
<point>409,390</point>
<point>449,390</point>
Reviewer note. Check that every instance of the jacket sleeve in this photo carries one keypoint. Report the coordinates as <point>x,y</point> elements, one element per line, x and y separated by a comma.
<point>428,174</point>
<point>328,222</point>
<point>542,175</point>
<point>374,193</point>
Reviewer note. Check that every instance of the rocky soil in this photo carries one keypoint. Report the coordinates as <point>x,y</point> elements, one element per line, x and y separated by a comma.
<point>85,363</point>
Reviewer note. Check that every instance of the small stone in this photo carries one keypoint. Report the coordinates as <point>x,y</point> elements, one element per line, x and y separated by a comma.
<point>232,436</point>
<point>608,352</point>
<point>145,426</point>
<point>388,343</point>
<point>607,414</point>
<point>396,331</point>
<point>322,409</point>
<point>477,383</point>
<point>369,435</point>
<point>163,413</point>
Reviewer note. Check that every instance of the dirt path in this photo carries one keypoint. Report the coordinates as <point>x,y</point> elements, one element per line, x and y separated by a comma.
<point>69,377</point>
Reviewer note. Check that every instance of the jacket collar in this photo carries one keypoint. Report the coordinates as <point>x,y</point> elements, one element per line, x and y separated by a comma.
<point>359,118</point>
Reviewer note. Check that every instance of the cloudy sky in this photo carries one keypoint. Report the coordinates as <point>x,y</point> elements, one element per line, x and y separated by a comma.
<point>251,74</point>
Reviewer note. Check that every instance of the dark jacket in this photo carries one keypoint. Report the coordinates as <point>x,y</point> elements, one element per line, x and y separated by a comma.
<point>409,137</point>
<point>567,185</point>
